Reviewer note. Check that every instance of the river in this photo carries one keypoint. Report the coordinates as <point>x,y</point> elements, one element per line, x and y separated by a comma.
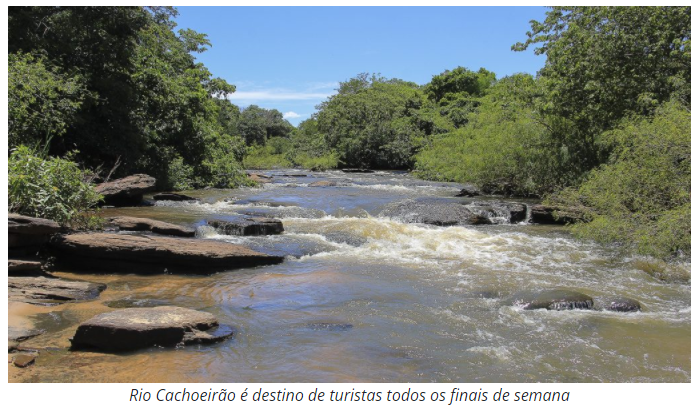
<point>365,298</point>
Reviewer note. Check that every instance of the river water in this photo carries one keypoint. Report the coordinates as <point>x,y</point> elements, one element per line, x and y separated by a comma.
<point>366,298</point>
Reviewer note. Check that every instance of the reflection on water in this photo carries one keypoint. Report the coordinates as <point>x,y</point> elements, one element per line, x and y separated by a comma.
<point>361,298</point>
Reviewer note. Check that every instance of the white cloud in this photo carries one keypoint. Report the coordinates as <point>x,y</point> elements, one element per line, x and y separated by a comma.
<point>291,114</point>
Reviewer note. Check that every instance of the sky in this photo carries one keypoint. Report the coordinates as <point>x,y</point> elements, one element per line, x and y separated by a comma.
<point>292,59</point>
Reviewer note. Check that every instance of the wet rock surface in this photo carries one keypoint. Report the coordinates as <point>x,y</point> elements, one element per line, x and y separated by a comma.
<point>148,224</point>
<point>127,191</point>
<point>23,360</point>
<point>42,290</point>
<point>434,213</point>
<point>173,197</point>
<point>134,328</point>
<point>246,225</point>
<point>500,211</point>
<point>259,178</point>
<point>468,191</point>
<point>19,334</point>
<point>106,252</point>
<point>556,300</point>
<point>623,304</point>
<point>329,326</point>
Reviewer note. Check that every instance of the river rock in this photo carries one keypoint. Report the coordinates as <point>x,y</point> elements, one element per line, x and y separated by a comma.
<point>106,252</point>
<point>24,267</point>
<point>357,170</point>
<point>623,304</point>
<point>23,360</point>
<point>173,197</point>
<point>468,191</point>
<point>245,225</point>
<point>433,212</point>
<point>29,232</point>
<point>553,300</point>
<point>147,224</point>
<point>323,184</point>
<point>134,328</point>
<point>127,191</point>
<point>500,211</point>
<point>543,214</point>
<point>19,334</point>
<point>42,290</point>
<point>259,178</point>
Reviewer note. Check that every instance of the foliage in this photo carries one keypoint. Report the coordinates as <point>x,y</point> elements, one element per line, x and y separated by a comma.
<point>624,60</point>
<point>372,122</point>
<point>42,101</point>
<point>257,124</point>
<point>147,104</point>
<point>52,188</point>
<point>642,197</point>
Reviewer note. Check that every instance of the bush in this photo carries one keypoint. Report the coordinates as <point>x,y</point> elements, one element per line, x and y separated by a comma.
<point>52,188</point>
<point>642,197</point>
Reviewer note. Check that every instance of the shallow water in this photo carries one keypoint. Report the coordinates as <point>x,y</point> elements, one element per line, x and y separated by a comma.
<point>364,298</point>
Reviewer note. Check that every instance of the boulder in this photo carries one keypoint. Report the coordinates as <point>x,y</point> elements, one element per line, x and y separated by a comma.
<point>134,328</point>
<point>29,232</point>
<point>106,252</point>
<point>468,191</point>
<point>24,267</point>
<point>173,197</point>
<point>127,191</point>
<point>245,225</point>
<point>428,211</point>
<point>553,300</point>
<point>622,304</point>
<point>500,211</point>
<point>323,184</point>
<point>147,224</point>
<point>42,290</point>
<point>543,214</point>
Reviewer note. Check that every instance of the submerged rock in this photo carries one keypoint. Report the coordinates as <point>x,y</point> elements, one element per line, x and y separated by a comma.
<point>330,326</point>
<point>23,360</point>
<point>173,197</point>
<point>42,290</point>
<point>623,304</point>
<point>323,184</point>
<point>245,225</point>
<point>357,170</point>
<point>134,328</point>
<point>147,224</point>
<point>107,252</point>
<point>553,300</point>
<point>127,191</point>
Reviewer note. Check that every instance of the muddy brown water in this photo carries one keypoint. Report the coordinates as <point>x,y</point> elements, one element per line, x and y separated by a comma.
<point>364,298</point>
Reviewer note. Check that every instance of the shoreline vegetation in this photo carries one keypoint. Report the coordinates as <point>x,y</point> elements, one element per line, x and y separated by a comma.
<point>604,127</point>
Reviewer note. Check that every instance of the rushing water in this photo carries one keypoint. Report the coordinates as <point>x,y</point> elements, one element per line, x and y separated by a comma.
<point>365,298</point>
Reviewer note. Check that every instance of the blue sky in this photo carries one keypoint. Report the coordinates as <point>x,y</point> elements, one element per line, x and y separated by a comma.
<point>292,58</point>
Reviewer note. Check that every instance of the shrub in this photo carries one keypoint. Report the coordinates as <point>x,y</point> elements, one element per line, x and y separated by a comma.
<point>52,188</point>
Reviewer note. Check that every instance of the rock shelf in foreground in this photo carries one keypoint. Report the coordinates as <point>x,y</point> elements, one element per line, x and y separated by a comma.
<point>134,328</point>
<point>107,252</point>
<point>42,290</point>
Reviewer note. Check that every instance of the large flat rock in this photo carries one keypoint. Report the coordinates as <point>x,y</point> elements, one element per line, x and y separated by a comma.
<point>24,267</point>
<point>42,290</point>
<point>126,191</point>
<point>434,212</point>
<point>134,328</point>
<point>148,224</point>
<point>21,224</point>
<point>107,252</point>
